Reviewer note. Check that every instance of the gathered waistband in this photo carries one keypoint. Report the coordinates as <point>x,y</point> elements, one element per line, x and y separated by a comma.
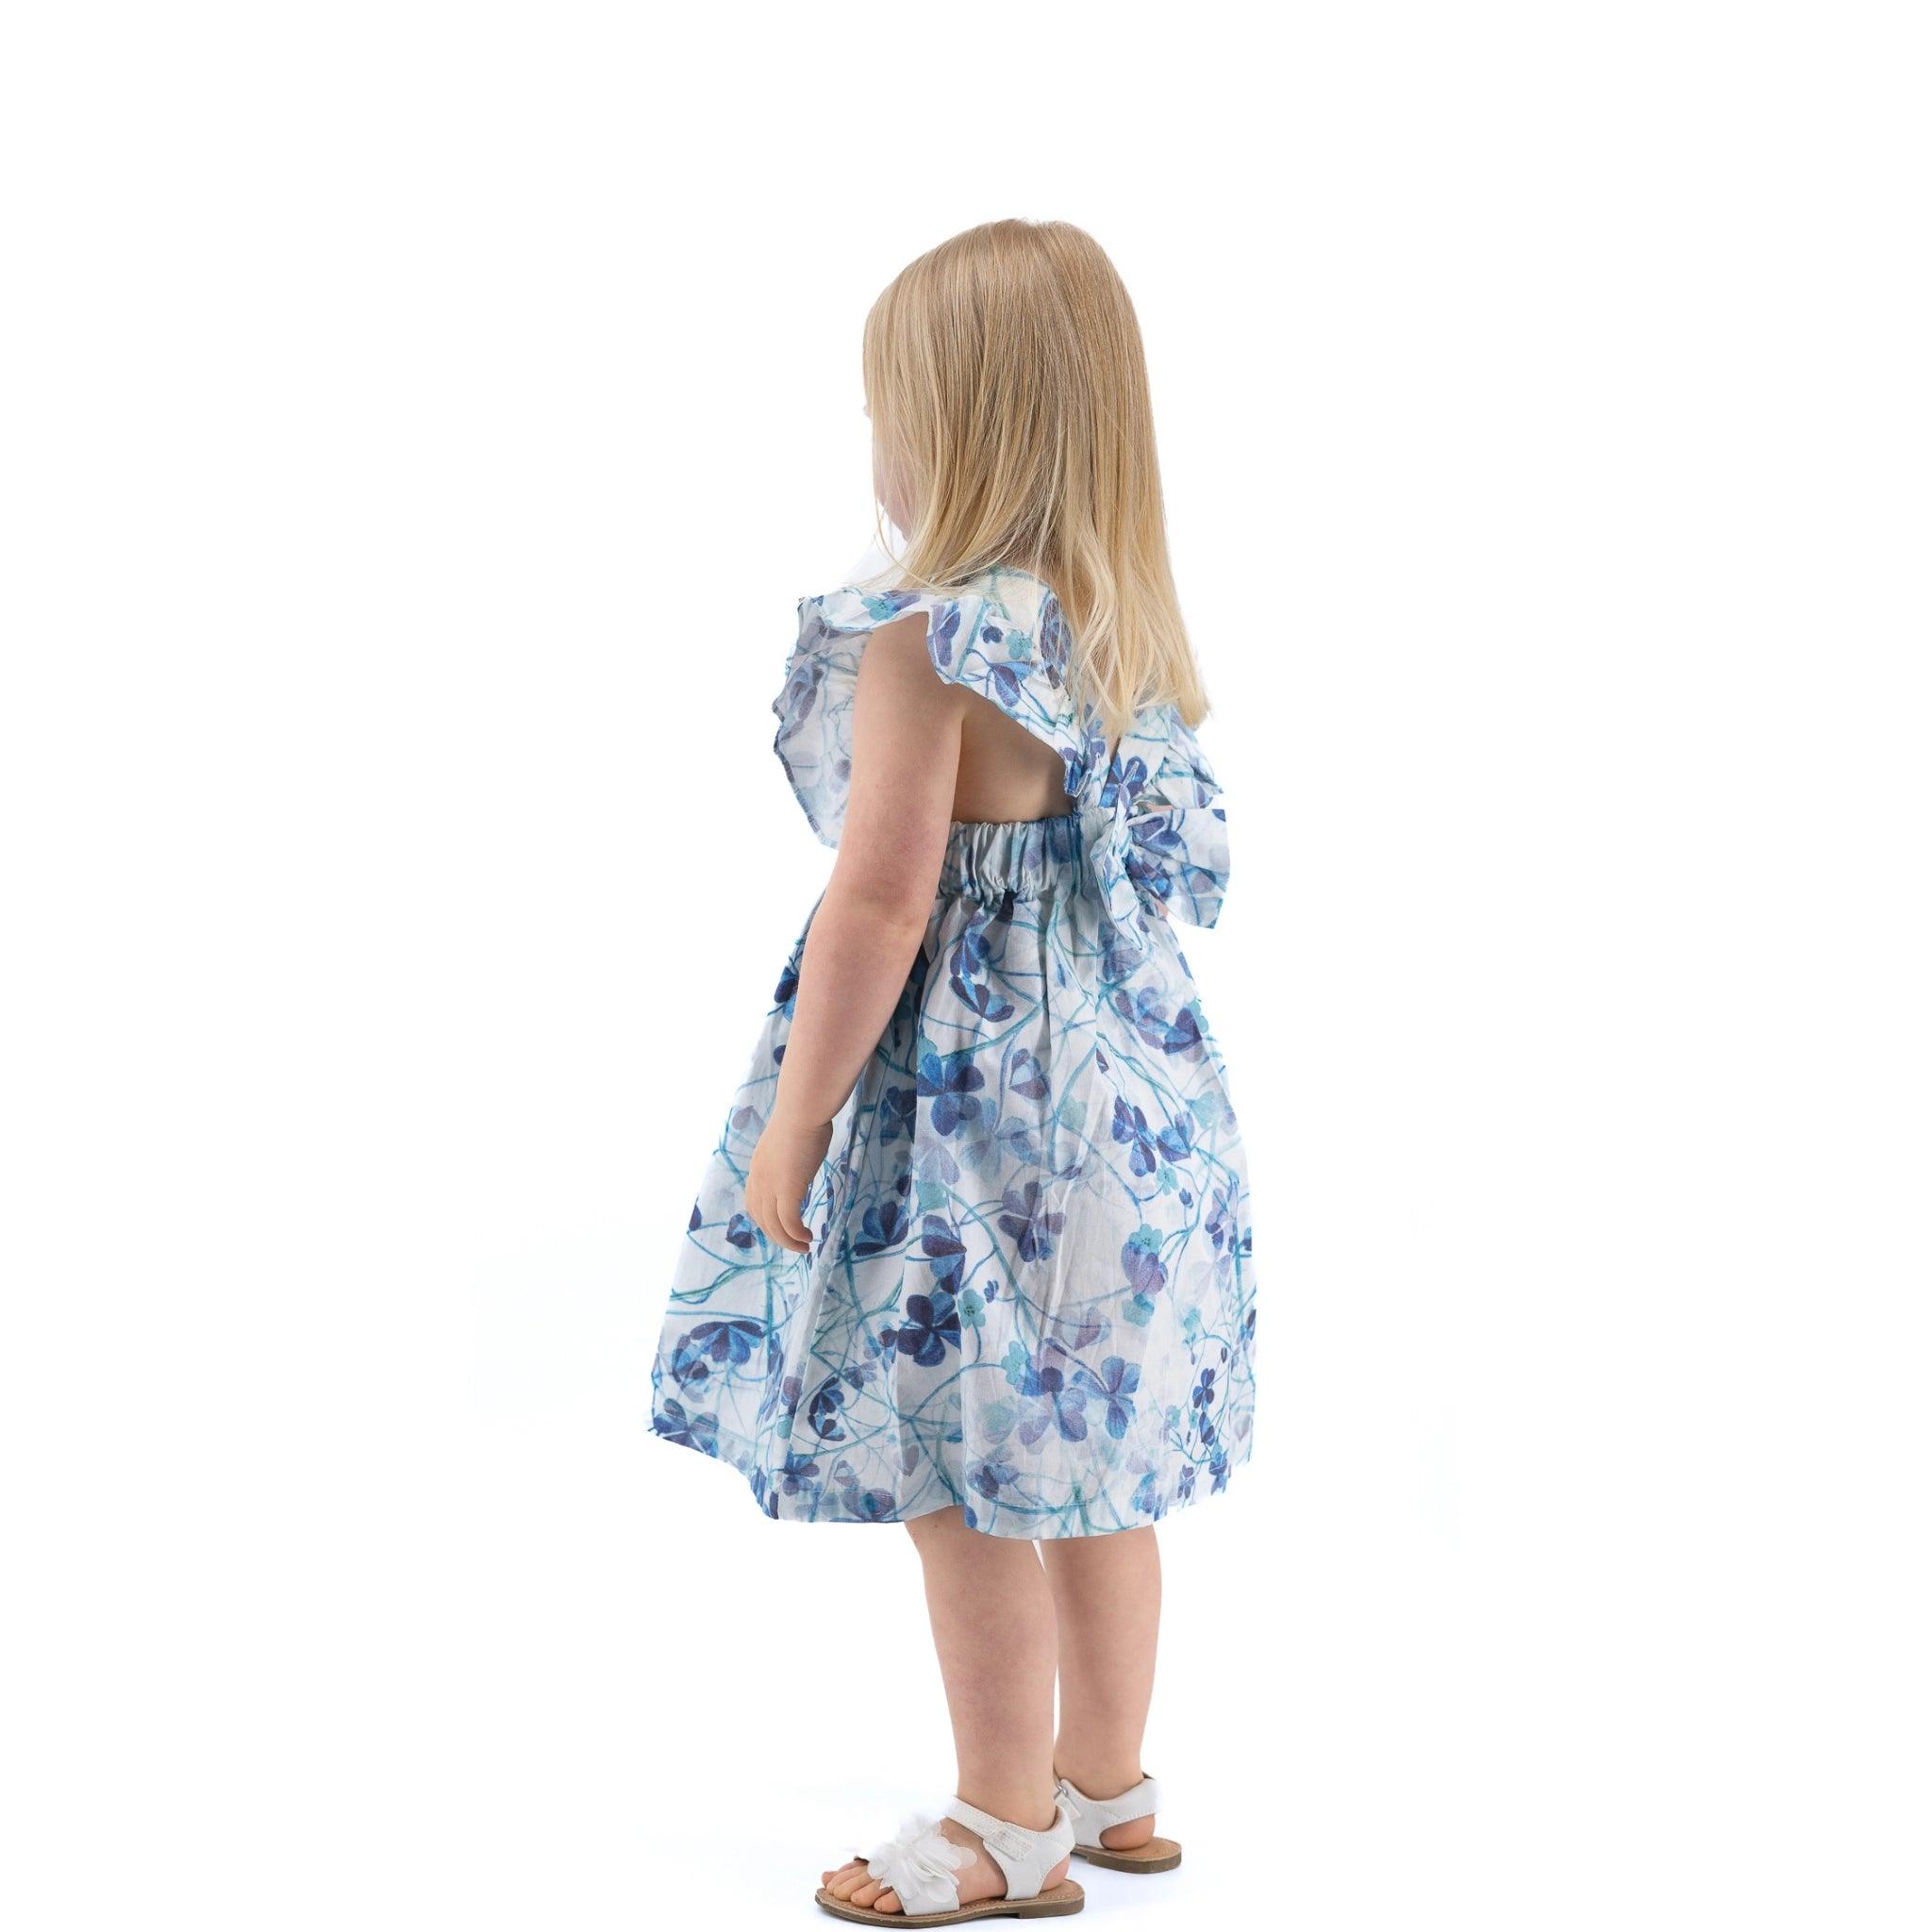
<point>986,859</point>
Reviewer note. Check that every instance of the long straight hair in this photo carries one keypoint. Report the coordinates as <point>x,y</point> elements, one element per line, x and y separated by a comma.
<point>1007,390</point>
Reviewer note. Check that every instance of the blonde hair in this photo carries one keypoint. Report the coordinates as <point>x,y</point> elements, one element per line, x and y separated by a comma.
<point>1008,394</point>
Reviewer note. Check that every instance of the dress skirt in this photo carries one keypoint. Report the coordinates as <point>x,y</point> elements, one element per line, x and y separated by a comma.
<point>1030,1289</point>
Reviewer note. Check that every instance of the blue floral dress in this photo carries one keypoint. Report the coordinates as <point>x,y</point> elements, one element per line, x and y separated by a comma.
<point>1030,1289</point>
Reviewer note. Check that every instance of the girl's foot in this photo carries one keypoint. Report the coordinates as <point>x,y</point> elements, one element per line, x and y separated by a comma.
<point>1121,1825</point>
<point>977,1876</point>
<point>1130,1837</point>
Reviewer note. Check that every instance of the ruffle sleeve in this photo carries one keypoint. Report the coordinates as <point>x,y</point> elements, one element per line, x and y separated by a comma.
<point>1003,637</point>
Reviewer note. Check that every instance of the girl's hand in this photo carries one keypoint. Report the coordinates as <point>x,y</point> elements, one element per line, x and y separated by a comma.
<point>783,1166</point>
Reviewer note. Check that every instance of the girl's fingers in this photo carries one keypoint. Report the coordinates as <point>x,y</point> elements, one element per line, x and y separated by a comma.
<point>797,1237</point>
<point>764,1210</point>
<point>788,1230</point>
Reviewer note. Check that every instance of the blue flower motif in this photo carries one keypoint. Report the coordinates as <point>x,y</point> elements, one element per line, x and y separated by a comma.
<point>714,1344</point>
<point>1217,1223</point>
<point>1061,1403</point>
<point>801,693</point>
<point>1203,1403</point>
<point>1131,1129</point>
<point>1145,1011</point>
<point>944,632</point>
<point>694,1431</point>
<point>823,1412</point>
<point>1052,641</point>
<point>1140,1257</point>
<point>1030,1223</point>
<point>991,1475</point>
<point>886,1225</point>
<point>781,1392</point>
<point>1130,777</point>
<point>898,1109</point>
<point>940,1242</point>
<point>1026,1076</point>
<point>1184,1035</point>
<point>970,960</point>
<point>931,1327</point>
<point>952,1083</point>
<point>1114,1386</point>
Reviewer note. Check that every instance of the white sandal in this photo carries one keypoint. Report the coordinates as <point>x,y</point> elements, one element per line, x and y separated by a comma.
<point>1092,1816</point>
<point>919,1865</point>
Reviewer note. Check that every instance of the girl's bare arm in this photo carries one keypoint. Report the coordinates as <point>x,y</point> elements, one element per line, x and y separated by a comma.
<point>906,733</point>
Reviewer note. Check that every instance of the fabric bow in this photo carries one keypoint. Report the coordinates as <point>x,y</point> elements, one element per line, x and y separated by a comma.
<point>1154,854</point>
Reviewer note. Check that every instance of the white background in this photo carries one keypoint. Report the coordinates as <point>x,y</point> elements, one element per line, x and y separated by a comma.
<point>419,422</point>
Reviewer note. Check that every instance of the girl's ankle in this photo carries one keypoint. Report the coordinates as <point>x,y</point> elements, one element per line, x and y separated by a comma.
<point>1034,1811</point>
<point>1097,1777</point>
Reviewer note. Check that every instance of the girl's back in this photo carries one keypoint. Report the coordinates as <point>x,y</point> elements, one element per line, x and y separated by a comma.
<point>1004,771</point>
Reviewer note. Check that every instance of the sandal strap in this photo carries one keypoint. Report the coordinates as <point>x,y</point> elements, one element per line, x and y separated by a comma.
<point>1025,1856</point>
<point>1095,1815</point>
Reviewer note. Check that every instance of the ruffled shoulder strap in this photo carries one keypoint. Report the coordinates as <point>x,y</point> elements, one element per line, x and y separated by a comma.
<point>1002,635</point>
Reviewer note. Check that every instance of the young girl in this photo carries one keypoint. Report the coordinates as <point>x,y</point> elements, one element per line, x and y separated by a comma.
<point>973,1254</point>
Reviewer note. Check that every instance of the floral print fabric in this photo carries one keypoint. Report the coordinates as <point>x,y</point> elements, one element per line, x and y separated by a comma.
<point>1029,1290</point>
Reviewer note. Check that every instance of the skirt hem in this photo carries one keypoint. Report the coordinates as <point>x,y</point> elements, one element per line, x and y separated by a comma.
<point>1075,1520</point>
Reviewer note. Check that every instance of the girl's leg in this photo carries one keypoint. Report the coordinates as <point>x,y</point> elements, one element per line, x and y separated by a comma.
<point>992,1623</point>
<point>1107,1591</point>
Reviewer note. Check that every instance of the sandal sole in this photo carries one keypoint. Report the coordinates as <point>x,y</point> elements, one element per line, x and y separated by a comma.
<point>1157,1855</point>
<point>1064,1898</point>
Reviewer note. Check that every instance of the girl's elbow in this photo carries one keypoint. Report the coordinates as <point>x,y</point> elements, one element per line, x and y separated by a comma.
<point>895,896</point>
<point>902,918</point>
<point>887,912</point>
